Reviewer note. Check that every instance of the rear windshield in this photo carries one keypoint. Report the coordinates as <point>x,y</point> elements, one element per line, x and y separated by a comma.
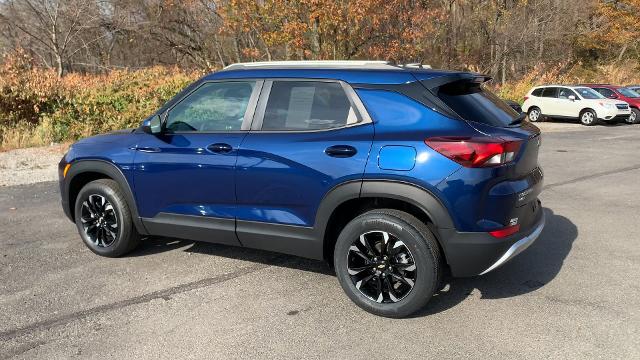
<point>473,102</point>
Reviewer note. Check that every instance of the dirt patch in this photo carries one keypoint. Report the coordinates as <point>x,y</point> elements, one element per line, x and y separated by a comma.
<point>31,165</point>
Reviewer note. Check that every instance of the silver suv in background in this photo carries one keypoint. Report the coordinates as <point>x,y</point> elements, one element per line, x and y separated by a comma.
<point>573,102</point>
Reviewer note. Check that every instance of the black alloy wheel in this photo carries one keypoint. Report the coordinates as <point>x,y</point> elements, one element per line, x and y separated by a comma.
<point>388,262</point>
<point>99,221</point>
<point>104,220</point>
<point>381,267</point>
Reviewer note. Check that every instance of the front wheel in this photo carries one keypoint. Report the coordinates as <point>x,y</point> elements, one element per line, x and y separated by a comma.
<point>635,117</point>
<point>388,262</point>
<point>104,220</point>
<point>588,118</point>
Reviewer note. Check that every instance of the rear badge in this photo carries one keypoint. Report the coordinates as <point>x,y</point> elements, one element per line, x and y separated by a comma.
<point>523,195</point>
<point>513,222</point>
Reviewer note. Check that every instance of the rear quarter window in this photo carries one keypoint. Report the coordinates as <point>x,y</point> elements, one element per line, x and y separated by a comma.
<point>537,92</point>
<point>473,102</point>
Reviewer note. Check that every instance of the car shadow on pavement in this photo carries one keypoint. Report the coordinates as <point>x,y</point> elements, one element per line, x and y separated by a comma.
<point>528,272</point>
<point>155,245</point>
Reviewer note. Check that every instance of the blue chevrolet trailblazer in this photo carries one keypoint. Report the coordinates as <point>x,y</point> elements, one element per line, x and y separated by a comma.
<point>394,173</point>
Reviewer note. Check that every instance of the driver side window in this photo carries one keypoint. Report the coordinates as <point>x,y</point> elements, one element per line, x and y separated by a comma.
<point>606,92</point>
<point>214,106</point>
<point>564,93</point>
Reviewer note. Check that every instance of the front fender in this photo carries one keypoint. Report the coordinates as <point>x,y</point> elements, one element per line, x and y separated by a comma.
<point>101,167</point>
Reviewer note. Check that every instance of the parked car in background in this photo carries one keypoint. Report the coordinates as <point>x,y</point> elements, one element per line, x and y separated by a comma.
<point>514,105</point>
<point>395,174</point>
<point>627,94</point>
<point>573,102</point>
<point>635,88</point>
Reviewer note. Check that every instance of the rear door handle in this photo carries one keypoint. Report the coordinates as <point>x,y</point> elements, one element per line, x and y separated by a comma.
<point>220,148</point>
<point>340,151</point>
<point>148,149</point>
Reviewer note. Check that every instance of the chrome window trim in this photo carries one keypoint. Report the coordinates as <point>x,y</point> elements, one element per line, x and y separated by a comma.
<point>354,101</point>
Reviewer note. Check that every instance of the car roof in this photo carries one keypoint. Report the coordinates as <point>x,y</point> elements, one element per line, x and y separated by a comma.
<point>573,86</point>
<point>609,86</point>
<point>353,71</point>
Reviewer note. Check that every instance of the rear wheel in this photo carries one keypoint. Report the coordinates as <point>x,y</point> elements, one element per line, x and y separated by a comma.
<point>588,117</point>
<point>103,219</point>
<point>534,114</point>
<point>388,262</point>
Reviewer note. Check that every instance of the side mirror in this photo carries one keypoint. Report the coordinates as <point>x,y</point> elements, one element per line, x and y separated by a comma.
<point>572,97</point>
<point>152,125</point>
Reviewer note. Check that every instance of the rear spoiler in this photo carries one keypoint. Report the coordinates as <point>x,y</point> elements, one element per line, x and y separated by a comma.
<point>434,83</point>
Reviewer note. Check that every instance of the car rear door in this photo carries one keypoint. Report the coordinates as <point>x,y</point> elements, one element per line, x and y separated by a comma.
<point>307,137</point>
<point>549,101</point>
<point>184,178</point>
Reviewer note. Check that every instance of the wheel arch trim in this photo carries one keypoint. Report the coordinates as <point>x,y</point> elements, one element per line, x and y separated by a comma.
<point>410,193</point>
<point>111,171</point>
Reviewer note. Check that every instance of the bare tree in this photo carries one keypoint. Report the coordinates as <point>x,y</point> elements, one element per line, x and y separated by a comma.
<point>54,30</point>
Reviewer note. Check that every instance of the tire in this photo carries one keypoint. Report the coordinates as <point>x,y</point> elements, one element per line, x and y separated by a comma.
<point>635,117</point>
<point>103,219</point>
<point>588,117</point>
<point>534,114</point>
<point>385,288</point>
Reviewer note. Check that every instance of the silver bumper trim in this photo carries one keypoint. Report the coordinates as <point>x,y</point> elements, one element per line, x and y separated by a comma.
<point>520,246</point>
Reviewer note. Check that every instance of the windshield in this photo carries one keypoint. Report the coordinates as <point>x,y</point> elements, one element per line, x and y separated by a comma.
<point>587,93</point>
<point>628,93</point>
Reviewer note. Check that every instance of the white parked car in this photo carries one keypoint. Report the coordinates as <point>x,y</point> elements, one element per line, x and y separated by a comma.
<point>573,102</point>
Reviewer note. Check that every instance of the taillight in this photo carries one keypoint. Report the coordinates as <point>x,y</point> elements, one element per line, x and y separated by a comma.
<point>509,230</point>
<point>476,151</point>
<point>526,98</point>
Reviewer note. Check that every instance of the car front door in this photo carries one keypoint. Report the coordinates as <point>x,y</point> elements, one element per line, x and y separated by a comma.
<point>184,177</point>
<point>308,136</point>
<point>608,93</point>
<point>568,103</point>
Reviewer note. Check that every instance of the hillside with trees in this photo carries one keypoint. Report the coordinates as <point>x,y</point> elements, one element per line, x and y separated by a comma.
<point>517,42</point>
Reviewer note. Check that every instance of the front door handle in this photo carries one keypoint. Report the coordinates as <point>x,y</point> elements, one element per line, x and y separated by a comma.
<point>340,151</point>
<point>220,148</point>
<point>148,149</point>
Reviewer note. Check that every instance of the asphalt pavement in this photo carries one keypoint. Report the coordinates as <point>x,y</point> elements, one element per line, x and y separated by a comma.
<point>574,293</point>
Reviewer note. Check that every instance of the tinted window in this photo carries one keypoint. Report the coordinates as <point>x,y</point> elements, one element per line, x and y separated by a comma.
<point>564,93</point>
<point>218,106</point>
<point>472,102</point>
<point>588,93</point>
<point>608,93</point>
<point>307,105</point>
<point>537,92</point>
<point>628,93</point>
<point>550,92</point>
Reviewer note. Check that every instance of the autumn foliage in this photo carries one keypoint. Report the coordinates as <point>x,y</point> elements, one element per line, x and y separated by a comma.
<point>37,107</point>
<point>89,67</point>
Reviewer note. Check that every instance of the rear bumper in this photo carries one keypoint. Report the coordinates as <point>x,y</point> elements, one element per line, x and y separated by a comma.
<point>518,247</point>
<point>477,253</point>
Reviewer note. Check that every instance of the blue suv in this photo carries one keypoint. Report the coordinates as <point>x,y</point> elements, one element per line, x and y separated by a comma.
<point>395,174</point>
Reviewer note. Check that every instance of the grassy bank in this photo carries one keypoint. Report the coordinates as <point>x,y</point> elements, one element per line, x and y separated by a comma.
<point>38,108</point>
